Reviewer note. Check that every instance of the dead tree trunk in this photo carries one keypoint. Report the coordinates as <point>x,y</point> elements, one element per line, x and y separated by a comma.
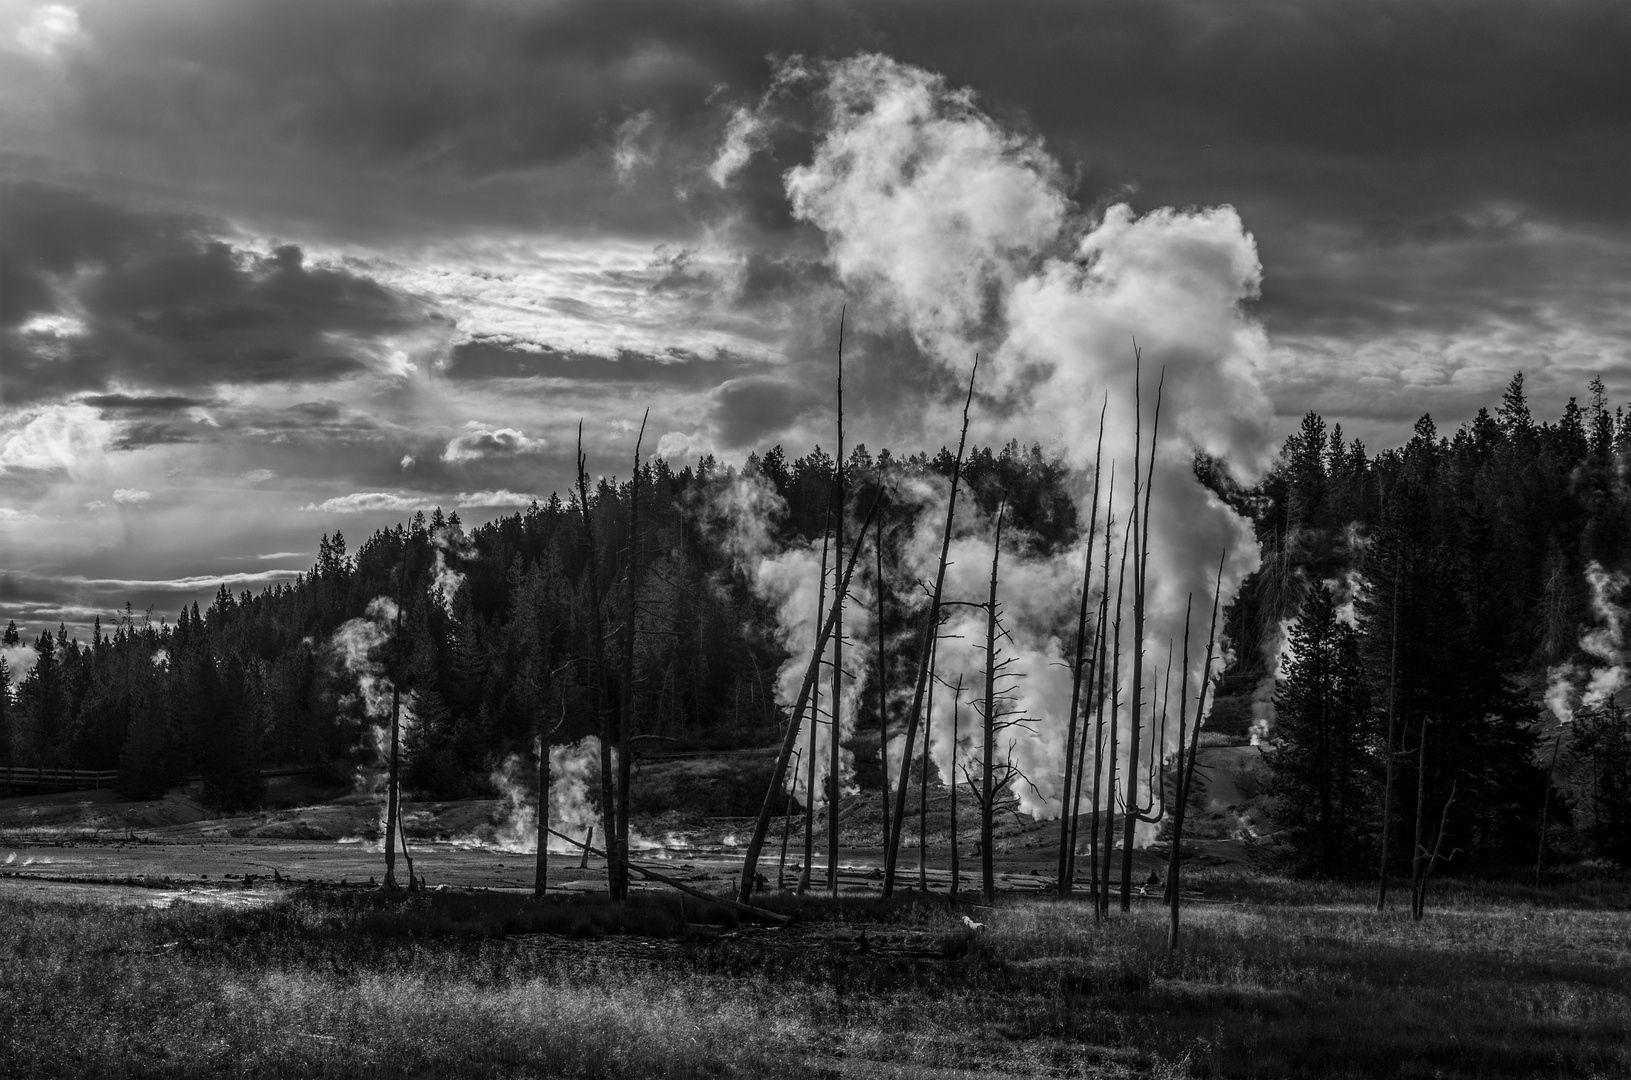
<point>626,719</point>
<point>787,825</point>
<point>833,756</point>
<point>1387,788</point>
<point>923,794</point>
<point>761,827</point>
<point>956,862</point>
<point>597,657</point>
<point>393,788</point>
<point>815,722</point>
<point>1186,767</point>
<point>1421,805</point>
<point>931,626</point>
<point>988,741</point>
<point>1069,808</point>
<point>1102,661</point>
<point>1141,561</point>
<point>1115,725</point>
<point>883,695</point>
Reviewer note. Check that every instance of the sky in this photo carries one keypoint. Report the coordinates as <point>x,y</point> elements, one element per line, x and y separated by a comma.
<point>271,269</point>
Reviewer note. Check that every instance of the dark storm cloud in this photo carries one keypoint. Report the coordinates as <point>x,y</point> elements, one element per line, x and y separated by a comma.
<point>746,411</point>
<point>153,300</point>
<point>117,406</point>
<point>1182,97</point>
<point>681,370</point>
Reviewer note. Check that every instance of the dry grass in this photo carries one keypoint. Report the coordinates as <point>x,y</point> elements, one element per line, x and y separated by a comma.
<point>1294,980</point>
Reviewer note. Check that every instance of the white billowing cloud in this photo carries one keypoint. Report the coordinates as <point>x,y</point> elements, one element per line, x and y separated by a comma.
<point>482,443</point>
<point>51,30</point>
<point>131,496</point>
<point>500,498</point>
<point>361,502</point>
<point>921,193</point>
<point>407,461</point>
<point>965,231</point>
<point>19,660</point>
<point>678,445</point>
<point>743,132</point>
<point>70,438</point>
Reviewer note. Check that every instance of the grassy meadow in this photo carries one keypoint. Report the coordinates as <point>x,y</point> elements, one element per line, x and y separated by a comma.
<point>1272,979</point>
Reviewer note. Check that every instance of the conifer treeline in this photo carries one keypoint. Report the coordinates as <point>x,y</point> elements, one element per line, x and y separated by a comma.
<point>253,682</point>
<point>1479,545</point>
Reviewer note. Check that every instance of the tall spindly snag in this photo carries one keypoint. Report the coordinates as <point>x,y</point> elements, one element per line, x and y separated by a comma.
<point>1387,788</point>
<point>834,759</point>
<point>1115,725</point>
<point>597,657</point>
<point>931,627</point>
<point>761,827</point>
<point>815,720</point>
<point>1069,807</point>
<point>1186,768</point>
<point>988,742</point>
<point>625,726</point>
<point>1132,814</point>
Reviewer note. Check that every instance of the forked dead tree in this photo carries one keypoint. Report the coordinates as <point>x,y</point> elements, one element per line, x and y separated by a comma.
<point>1186,766</point>
<point>815,722</point>
<point>761,827</point>
<point>834,760</point>
<point>1069,805</point>
<point>597,659</point>
<point>1132,813</point>
<point>931,625</point>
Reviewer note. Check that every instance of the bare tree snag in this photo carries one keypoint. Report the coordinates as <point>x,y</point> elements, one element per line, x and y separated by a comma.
<point>988,742</point>
<point>1186,768</point>
<point>626,718</point>
<point>1387,787</point>
<point>1141,562</point>
<point>815,722</point>
<point>883,696</point>
<point>923,795</point>
<point>956,863</point>
<point>1115,723</point>
<point>834,758</point>
<point>393,783</point>
<point>931,627</point>
<point>608,725</point>
<point>1068,806</point>
<point>761,827</point>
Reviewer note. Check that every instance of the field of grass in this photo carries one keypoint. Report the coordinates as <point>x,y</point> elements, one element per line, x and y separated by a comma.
<point>1282,980</point>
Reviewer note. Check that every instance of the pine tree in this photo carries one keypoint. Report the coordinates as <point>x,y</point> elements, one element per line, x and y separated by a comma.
<point>1325,768</point>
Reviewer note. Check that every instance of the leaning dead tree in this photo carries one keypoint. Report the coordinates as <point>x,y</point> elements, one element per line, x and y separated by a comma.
<point>809,758</point>
<point>1114,720</point>
<point>615,879</point>
<point>931,627</point>
<point>834,759</point>
<point>761,827</point>
<point>1070,806</point>
<point>1186,766</point>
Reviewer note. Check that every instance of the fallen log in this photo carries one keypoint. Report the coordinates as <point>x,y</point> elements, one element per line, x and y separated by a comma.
<point>712,898</point>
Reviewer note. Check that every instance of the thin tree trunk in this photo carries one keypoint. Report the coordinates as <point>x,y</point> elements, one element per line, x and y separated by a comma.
<point>883,695</point>
<point>1141,563</point>
<point>1387,789</point>
<point>1186,770</point>
<point>988,743</point>
<point>1115,723</point>
<point>608,729</point>
<point>1545,803</point>
<point>1421,805</point>
<point>931,626</point>
<point>1102,659</point>
<point>956,862</point>
<point>787,825</point>
<point>1068,807</point>
<point>815,721</point>
<point>761,827</point>
<point>393,783</point>
<point>626,719</point>
<point>833,756</point>
<point>923,795</point>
